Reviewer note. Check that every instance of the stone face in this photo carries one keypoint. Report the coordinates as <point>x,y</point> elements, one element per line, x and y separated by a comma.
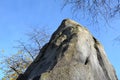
<point>71,54</point>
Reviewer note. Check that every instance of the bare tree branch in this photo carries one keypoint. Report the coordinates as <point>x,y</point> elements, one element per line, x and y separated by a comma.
<point>15,70</point>
<point>25,49</point>
<point>95,8</point>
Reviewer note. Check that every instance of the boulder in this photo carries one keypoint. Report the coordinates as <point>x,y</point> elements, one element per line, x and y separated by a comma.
<point>71,54</point>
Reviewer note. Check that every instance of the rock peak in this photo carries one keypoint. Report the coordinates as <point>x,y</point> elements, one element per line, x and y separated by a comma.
<point>68,22</point>
<point>71,54</point>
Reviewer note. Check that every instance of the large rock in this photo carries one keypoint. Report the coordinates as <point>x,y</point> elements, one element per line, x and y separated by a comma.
<point>71,54</point>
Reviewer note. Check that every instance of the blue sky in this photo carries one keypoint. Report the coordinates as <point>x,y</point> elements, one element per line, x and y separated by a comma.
<point>17,17</point>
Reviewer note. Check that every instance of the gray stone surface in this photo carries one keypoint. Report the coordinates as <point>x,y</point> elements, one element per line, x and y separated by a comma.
<point>71,54</point>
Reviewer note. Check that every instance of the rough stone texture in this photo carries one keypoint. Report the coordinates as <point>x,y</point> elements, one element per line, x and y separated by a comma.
<point>71,54</point>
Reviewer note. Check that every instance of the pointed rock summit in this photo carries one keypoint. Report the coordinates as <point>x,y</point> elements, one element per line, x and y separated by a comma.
<point>71,54</point>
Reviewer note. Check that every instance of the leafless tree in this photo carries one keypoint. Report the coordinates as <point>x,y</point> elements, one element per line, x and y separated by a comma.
<point>27,51</point>
<point>95,9</point>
